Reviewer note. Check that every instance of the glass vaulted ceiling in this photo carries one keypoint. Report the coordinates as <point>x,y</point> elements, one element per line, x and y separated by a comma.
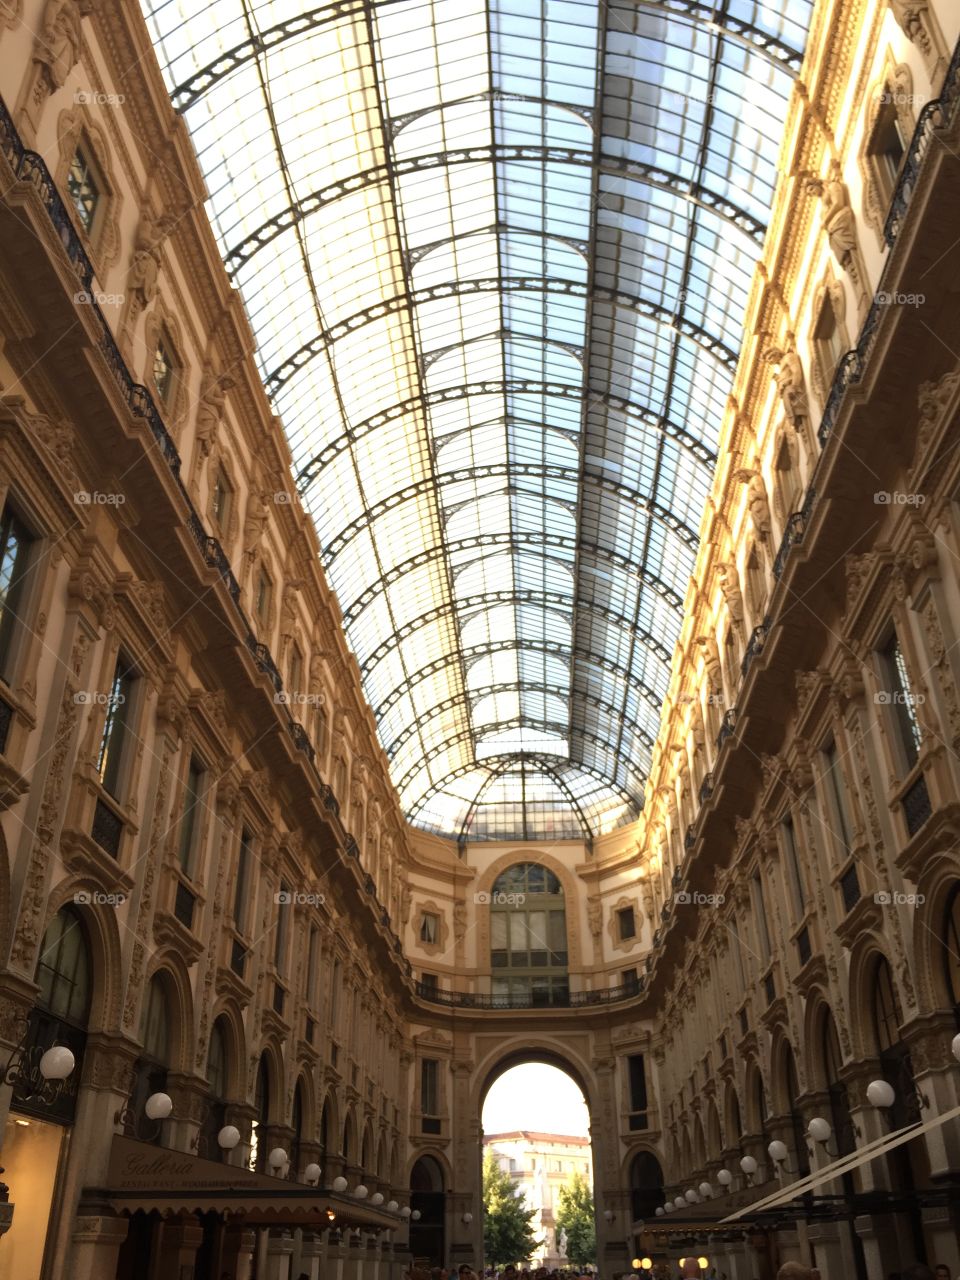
<point>496,255</point>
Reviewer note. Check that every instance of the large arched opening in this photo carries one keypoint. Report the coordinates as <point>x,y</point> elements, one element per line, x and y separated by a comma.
<point>537,1150</point>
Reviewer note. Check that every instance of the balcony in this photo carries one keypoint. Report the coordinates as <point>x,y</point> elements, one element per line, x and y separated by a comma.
<point>565,999</point>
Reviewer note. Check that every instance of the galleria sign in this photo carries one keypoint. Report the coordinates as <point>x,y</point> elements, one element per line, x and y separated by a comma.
<point>138,1166</point>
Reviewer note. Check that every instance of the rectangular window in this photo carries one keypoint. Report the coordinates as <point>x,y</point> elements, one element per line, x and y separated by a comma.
<point>15,557</point>
<point>429,1087</point>
<point>760,913</point>
<point>296,674</point>
<point>163,370</point>
<point>284,899</point>
<point>627,923</point>
<point>428,981</point>
<point>899,697</point>
<point>244,859</point>
<point>190,822</point>
<point>887,146</point>
<point>335,996</point>
<point>83,189</point>
<point>262,601</point>
<point>115,728</point>
<point>833,779</point>
<point>429,927</point>
<point>221,499</point>
<point>638,1082</point>
<point>738,954</point>
<point>629,977</point>
<point>794,875</point>
<point>313,961</point>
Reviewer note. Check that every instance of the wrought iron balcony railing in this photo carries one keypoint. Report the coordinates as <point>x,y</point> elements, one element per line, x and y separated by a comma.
<point>559,998</point>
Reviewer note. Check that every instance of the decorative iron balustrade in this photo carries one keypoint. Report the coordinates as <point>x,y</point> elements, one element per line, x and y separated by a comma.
<point>558,999</point>
<point>758,638</point>
<point>727,726</point>
<point>933,115</point>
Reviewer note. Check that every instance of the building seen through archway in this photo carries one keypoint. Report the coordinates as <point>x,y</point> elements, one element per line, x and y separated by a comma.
<point>479,543</point>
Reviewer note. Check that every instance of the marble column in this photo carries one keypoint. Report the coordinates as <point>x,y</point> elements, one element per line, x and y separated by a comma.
<point>97,1237</point>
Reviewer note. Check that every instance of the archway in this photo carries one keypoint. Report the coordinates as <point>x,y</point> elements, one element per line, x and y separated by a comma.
<point>537,1149</point>
<point>428,1198</point>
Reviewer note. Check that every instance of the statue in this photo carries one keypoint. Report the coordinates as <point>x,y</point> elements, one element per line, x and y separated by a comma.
<point>288,607</point>
<point>790,383</point>
<point>255,524</point>
<point>595,918</point>
<point>213,393</point>
<point>147,256</point>
<point>59,42</point>
<point>730,586</point>
<point>757,502</point>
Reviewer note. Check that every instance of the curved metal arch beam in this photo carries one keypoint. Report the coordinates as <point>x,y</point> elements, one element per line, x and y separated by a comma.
<point>427,556</point>
<point>423,251</point>
<point>528,646</point>
<point>585,827</point>
<point>512,758</point>
<point>519,686</point>
<point>545,598</point>
<point>502,335</point>
<point>514,722</point>
<point>502,387</point>
<point>497,153</point>
<point>189,91</point>
<point>505,469</point>
<point>278,377</point>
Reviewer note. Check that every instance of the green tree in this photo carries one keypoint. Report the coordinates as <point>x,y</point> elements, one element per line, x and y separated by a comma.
<point>507,1231</point>
<point>575,1219</point>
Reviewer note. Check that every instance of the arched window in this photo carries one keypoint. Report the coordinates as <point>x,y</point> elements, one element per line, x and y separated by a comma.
<point>646,1186</point>
<point>324,1139</point>
<point>792,1090</point>
<point>886,1008</point>
<point>428,1198</point>
<point>261,1106</point>
<point>63,969</point>
<point>528,937</point>
<point>832,1065</point>
<point>60,1014</point>
<point>951,950</point>
<point>216,1116</point>
<point>152,1066</point>
<point>296,1124</point>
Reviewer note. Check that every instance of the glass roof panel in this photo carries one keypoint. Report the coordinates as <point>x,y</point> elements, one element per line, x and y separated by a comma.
<point>496,255</point>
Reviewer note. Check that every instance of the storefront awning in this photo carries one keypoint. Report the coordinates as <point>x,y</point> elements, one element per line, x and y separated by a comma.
<point>157,1180</point>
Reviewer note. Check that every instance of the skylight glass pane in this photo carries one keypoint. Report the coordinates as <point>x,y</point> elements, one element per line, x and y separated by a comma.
<point>498,309</point>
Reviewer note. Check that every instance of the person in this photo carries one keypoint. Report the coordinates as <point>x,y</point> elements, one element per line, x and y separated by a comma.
<point>797,1271</point>
<point>941,1271</point>
<point>919,1271</point>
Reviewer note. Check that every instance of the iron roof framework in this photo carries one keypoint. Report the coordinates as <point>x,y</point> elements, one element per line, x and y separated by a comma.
<point>496,254</point>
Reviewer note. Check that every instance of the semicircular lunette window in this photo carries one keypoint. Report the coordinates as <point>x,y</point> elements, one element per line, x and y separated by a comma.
<point>528,937</point>
<point>496,255</point>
